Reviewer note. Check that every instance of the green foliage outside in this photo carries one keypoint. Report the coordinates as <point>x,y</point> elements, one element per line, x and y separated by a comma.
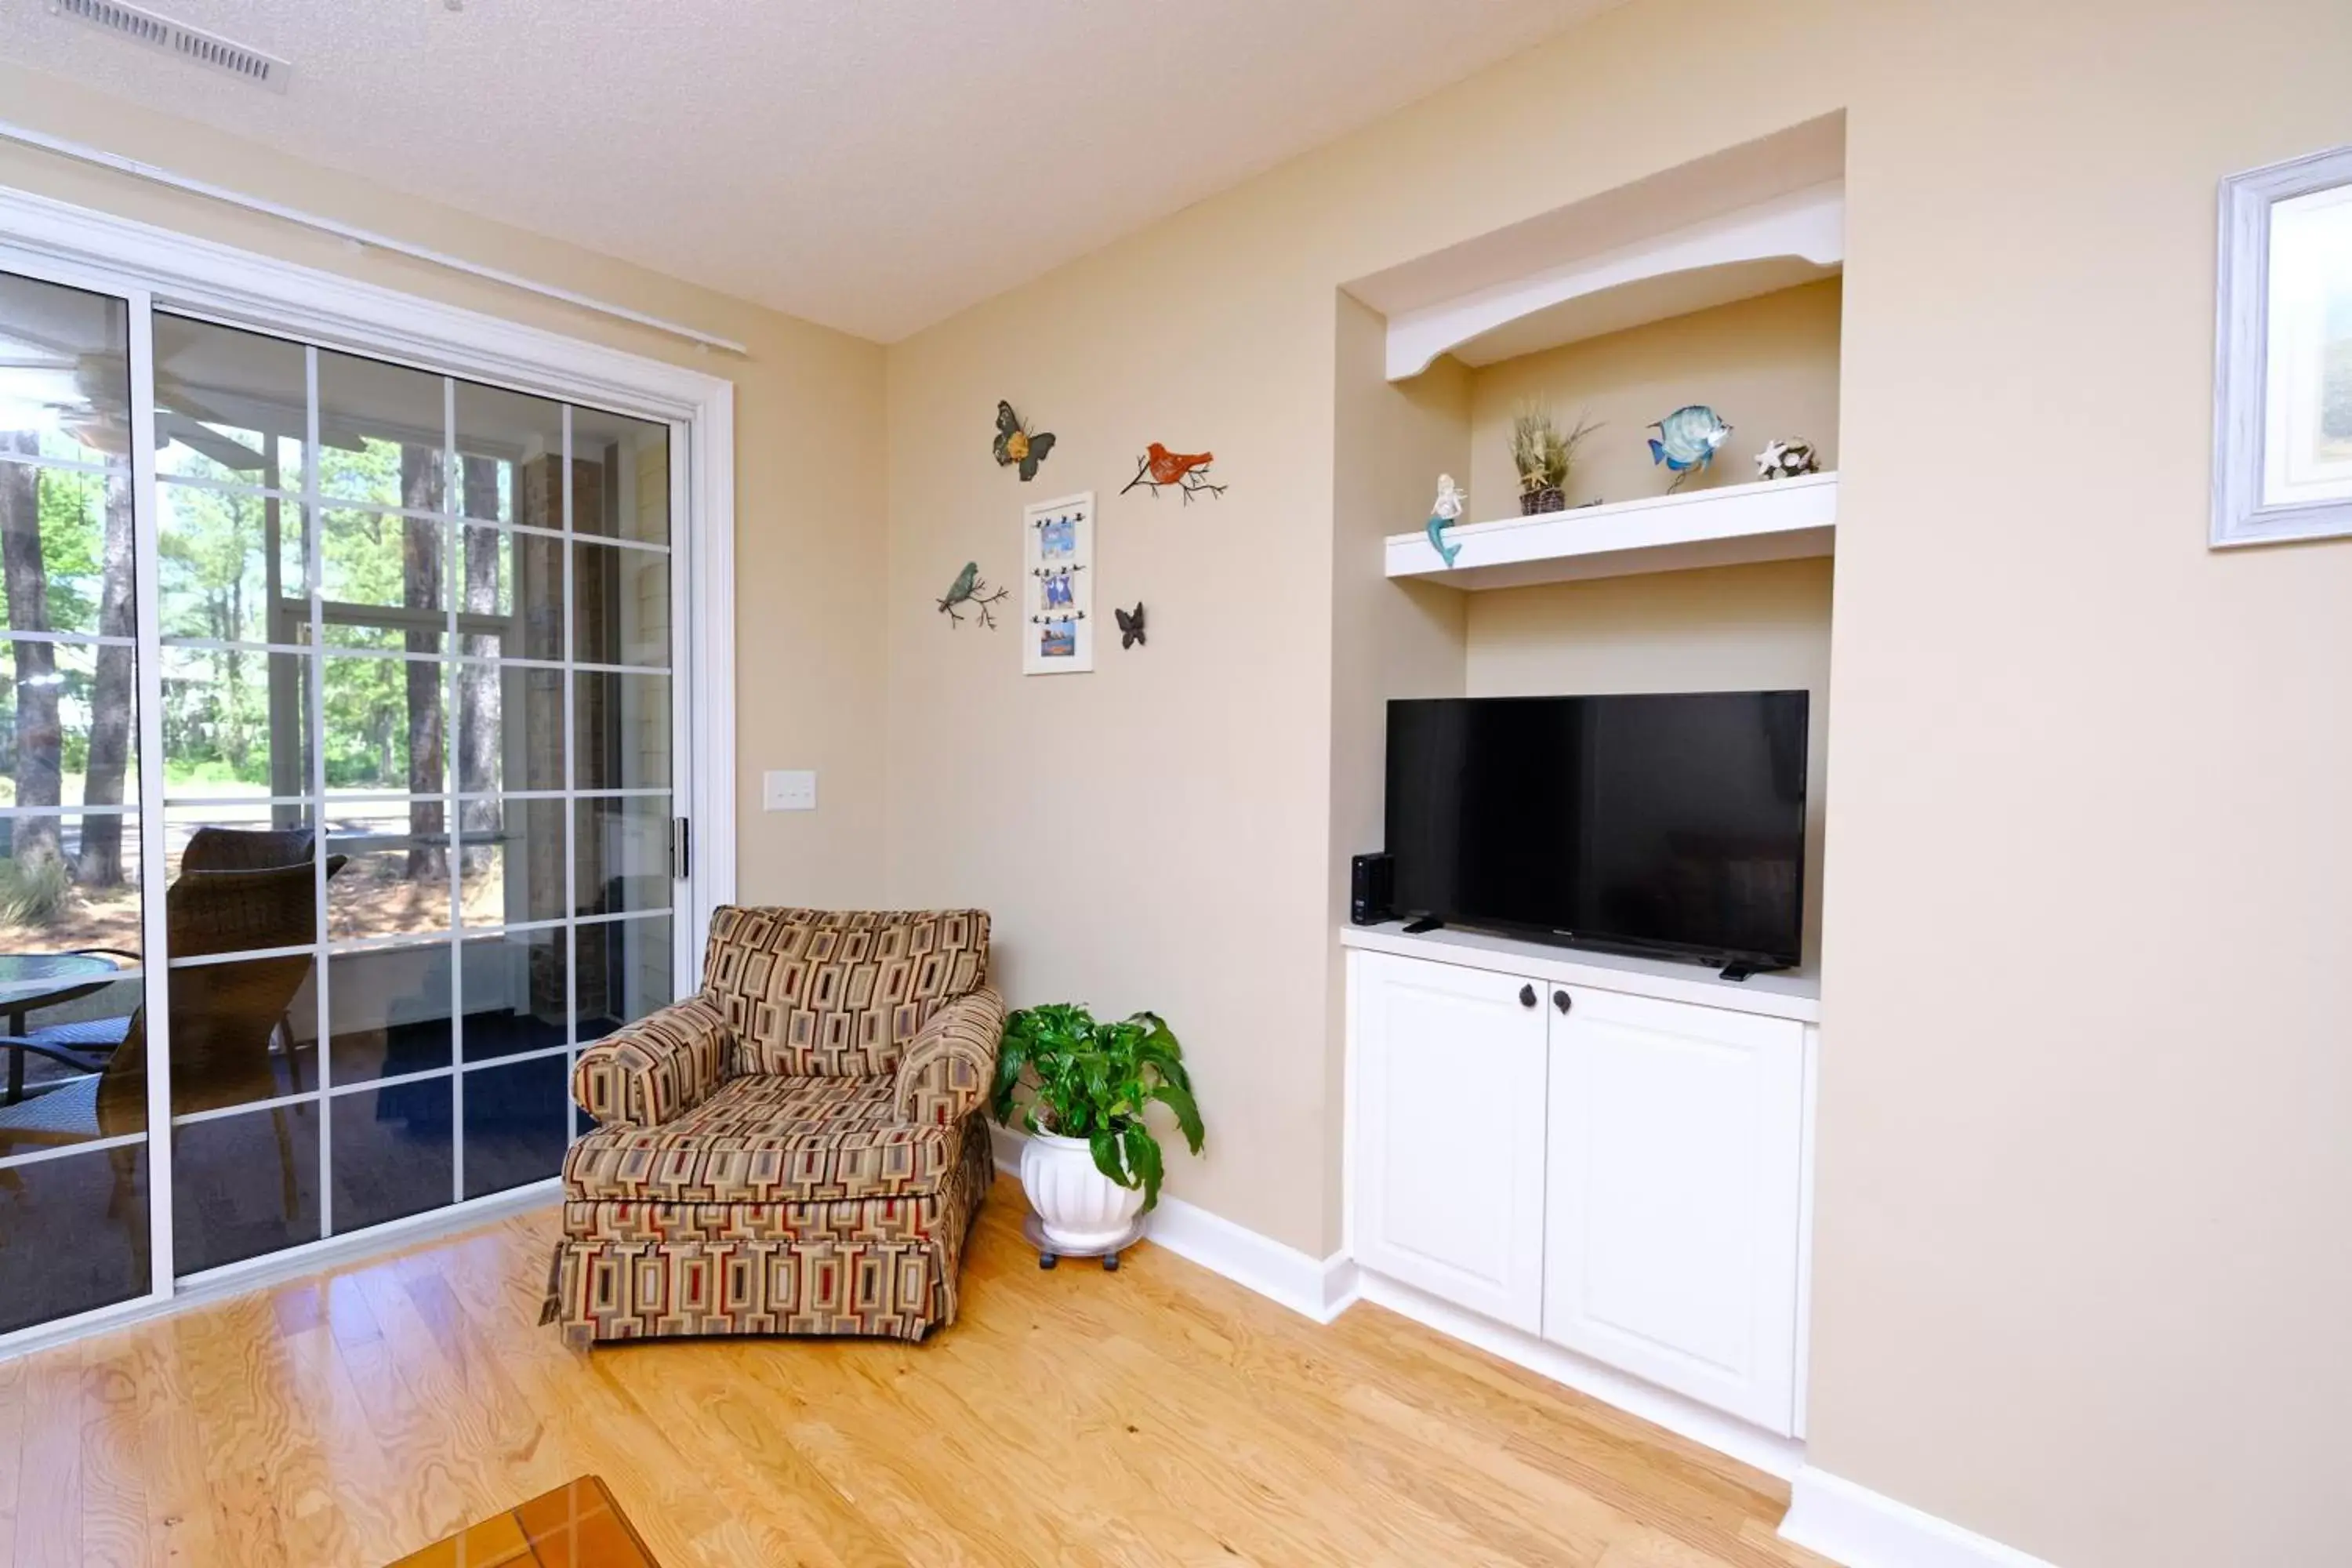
<point>215,585</point>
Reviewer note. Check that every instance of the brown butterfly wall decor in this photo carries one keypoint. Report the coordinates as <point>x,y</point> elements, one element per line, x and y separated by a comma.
<point>1017,445</point>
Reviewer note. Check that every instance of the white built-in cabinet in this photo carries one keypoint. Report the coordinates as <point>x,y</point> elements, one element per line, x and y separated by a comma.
<point>1601,1154</point>
<point>1452,1097</point>
<point>1671,1198</point>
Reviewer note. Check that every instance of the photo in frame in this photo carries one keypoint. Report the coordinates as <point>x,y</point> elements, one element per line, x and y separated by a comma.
<point>2283,363</point>
<point>1057,563</point>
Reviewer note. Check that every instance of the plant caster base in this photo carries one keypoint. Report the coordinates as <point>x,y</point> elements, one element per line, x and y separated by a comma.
<point>1049,1260</point>
<point>1051,1253</point>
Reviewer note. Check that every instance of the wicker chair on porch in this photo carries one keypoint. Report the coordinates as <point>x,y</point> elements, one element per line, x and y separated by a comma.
<point>799,1149</point>
<point>228,1035</point>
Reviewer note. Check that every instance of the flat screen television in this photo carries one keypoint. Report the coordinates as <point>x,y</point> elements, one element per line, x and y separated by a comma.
<point>1668,824</point>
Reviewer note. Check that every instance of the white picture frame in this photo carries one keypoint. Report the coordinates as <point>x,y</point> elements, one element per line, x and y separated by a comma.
<point>1058,587</point>
<point>2282,354</point>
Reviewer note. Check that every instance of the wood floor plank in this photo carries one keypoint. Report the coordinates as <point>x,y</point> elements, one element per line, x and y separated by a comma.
<point>181,1531</point>
<point>12,1452</point>
<point>113,1460</point>
<point>352,1463</point>
<point>260,1454</point>
<point>1159,1414</point>
<point>50,1477</point>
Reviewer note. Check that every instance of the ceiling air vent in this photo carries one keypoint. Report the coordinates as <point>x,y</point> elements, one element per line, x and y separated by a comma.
<point>193,44</point>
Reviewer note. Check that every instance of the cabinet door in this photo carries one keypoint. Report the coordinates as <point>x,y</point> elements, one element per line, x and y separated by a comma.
<point>1450,1126</point>
<point>1671,1250</point>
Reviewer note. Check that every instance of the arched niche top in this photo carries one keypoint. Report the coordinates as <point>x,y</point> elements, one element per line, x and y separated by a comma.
<point>1764,215</point>
<point>1774,244</point>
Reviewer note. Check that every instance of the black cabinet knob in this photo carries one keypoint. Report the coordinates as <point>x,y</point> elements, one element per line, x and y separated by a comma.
<point>1562,1000</point>
<point>1526,995</point>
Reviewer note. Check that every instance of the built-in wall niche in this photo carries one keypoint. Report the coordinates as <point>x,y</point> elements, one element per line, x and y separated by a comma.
<point>1716,284</point>
<point>1768,366</point>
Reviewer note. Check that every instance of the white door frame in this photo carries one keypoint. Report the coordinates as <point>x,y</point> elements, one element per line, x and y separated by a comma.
<point>156,269</point>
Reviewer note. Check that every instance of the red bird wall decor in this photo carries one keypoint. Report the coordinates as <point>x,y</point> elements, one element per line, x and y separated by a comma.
<point>1188,472</point>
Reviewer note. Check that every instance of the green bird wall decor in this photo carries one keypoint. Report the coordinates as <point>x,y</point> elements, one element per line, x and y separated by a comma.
<point>969,589</point>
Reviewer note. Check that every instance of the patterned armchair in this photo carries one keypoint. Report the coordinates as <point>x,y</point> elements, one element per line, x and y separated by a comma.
<point>799,1149</point>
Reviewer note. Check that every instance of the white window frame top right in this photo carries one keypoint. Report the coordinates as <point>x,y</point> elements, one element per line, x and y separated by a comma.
<point>2277,278</point>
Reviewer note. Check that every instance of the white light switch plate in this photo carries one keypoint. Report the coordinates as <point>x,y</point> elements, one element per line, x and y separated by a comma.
<point>789,789</point>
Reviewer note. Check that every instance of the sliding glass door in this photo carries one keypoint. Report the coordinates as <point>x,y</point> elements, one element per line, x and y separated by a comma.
<point>74,1149</point>
<point>416,723</point>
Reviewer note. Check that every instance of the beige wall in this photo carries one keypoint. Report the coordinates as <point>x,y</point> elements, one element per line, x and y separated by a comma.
<point>1768,366</point>
<point>1727,628</point>
<point>2071,1284</point>
<point>1151,835</point>
<point>2083,1133</point>
<point>808,467</point>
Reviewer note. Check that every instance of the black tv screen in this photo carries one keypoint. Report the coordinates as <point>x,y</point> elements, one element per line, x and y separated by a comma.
<point>1671,822</point>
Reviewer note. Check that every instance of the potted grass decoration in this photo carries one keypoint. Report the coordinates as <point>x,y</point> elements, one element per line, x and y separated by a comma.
<point>1092,1165</point>
<point>1543,456</point>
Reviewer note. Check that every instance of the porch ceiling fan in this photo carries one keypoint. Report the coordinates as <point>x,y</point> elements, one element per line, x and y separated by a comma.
<point>84,394</point>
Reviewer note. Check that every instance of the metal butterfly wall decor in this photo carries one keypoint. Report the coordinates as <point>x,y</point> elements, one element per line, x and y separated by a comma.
<point>1131,627</point>
<point>1188,472</point>
<point>968,589</point>
<point>1015,444</point>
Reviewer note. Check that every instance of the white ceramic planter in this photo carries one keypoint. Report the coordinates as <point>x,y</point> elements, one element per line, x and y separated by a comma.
<point>1081,1209</point>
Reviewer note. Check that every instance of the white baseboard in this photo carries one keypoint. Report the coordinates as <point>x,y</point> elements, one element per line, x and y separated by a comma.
<point>1862,1529</point>
<point>1320,1289</point>
<point>1768,1451</point>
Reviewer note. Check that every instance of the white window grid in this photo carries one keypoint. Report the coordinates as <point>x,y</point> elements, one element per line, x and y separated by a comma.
<point>311,503</point>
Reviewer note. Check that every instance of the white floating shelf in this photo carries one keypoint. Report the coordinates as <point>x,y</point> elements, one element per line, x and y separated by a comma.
<point>1728,525</point>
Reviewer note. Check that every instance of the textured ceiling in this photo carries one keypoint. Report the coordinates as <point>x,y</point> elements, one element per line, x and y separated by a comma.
<point>872,164</point>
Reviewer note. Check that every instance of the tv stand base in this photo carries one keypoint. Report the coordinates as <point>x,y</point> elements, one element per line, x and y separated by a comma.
<point>1427,923</point>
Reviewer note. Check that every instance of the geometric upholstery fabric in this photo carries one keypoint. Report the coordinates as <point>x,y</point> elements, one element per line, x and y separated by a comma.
<point>765,1140</point>
<point>885,1268</point>
<point>656,1069</point>
<point>837,993</point>
<point>798,1149</point>
<point>950,1066</point>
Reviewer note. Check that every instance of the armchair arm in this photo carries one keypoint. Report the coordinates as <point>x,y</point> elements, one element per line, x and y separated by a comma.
<point>951,1064</point>
<point>656,1069</point>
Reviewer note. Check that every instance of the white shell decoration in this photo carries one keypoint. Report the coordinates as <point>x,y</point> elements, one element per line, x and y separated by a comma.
<point>1786,460</point>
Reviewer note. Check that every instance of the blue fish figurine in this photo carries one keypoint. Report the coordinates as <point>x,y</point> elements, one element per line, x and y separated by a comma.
<point>1687,440</point>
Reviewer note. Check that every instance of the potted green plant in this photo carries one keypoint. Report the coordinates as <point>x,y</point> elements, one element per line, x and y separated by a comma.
<point>1543,456</point>
<point>1092,1165</point>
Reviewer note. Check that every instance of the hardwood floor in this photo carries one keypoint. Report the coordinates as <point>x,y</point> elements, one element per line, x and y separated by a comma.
<point>1157,1415</point>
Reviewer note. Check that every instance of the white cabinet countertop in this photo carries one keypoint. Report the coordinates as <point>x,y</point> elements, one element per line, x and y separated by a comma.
<point>1789,993</point>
